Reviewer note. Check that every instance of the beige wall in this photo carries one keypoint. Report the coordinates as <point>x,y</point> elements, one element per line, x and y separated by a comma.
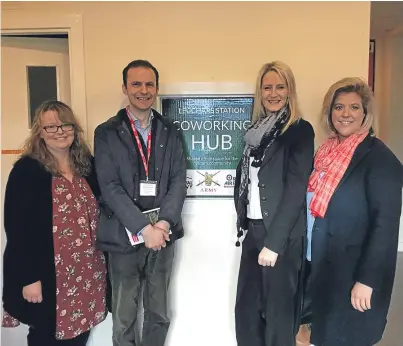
<point>216,42</point>
<point>388,91</point>
<point>388,94</point>
<point>382,85</point>
<point>213,42</point>
<point>395,138</point>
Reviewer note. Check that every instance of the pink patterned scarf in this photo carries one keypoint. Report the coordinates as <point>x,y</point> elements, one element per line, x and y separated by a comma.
<point>331,160</point>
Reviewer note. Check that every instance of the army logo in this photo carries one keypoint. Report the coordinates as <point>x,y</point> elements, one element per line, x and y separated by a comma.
<point>208,179</point>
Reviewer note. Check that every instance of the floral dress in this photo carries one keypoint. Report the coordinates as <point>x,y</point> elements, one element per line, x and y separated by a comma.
<point>80,268</point>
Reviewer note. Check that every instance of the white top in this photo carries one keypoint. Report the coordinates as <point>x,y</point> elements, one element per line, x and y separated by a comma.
<point>254,210</point>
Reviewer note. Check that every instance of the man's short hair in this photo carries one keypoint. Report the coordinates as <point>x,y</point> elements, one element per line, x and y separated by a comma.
<point>139,63</point>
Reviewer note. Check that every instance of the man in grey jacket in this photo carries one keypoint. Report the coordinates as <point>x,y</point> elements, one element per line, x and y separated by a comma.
<point>140,164</point>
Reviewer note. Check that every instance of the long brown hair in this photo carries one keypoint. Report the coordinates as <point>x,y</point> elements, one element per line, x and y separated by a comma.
<point>36,147</point>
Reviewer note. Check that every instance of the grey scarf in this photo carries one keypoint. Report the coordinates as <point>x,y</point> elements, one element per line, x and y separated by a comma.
<point>258,138</point>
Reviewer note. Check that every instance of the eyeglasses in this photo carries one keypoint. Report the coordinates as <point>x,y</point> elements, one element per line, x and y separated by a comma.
<point>55,128</point>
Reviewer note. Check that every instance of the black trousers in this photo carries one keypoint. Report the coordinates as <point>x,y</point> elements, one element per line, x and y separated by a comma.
<point>268,300</point>
<point>306,316</point>
<point>39,337</point>
<point>128,272</point>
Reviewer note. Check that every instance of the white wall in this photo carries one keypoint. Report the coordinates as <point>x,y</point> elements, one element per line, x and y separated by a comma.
<point>204,279</point>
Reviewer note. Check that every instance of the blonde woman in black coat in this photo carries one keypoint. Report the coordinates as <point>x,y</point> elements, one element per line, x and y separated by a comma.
<point>270,192</point>
<point>354,205</point>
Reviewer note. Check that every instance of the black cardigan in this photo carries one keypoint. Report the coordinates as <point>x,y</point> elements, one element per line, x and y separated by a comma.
<point>29,252</point>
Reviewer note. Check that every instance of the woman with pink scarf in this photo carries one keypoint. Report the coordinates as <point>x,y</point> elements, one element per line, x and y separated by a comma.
<point>354,203</point>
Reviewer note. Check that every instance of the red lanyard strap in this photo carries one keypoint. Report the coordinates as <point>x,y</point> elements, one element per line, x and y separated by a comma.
<point>136,136</point>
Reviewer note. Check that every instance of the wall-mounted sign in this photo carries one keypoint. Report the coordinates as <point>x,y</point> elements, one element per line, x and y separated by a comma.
<point>213,129</point>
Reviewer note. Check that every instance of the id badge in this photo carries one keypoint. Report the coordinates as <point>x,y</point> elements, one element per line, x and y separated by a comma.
<point>148,188</point>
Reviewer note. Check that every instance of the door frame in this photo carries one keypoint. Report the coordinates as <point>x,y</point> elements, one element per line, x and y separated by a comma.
<point>22,22</point>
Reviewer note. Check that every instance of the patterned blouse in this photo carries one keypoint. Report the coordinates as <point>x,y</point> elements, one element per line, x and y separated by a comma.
<point>80,269</point>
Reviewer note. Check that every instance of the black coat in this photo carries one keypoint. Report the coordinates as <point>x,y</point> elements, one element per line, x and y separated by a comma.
<point>283,179</point>
<point>29,251</point>
<point>118,169</point>
<point>357,242</point>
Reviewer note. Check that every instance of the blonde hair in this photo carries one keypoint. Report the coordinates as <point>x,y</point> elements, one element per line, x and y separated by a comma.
<point>284,71</point>
<point>349,85</point>
<point>36,147</point>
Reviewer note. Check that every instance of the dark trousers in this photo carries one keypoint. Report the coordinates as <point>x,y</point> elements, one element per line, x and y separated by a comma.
<point>306,316</point>
<point>267,299</point>
<point>38,337</point>
<point>128,272</point>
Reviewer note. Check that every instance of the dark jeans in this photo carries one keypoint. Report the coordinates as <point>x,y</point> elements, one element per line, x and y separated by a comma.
<point>127,273</point>
<point>267,297</point>
<point>38,337</point>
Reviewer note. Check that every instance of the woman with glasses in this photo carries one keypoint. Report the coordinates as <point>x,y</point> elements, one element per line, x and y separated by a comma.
<point>54,278</point>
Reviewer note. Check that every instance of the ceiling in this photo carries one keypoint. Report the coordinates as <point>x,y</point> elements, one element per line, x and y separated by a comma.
<point>386,18</point>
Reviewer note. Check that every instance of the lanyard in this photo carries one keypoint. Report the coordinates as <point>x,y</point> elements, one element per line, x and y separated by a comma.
<point>136,136</point>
